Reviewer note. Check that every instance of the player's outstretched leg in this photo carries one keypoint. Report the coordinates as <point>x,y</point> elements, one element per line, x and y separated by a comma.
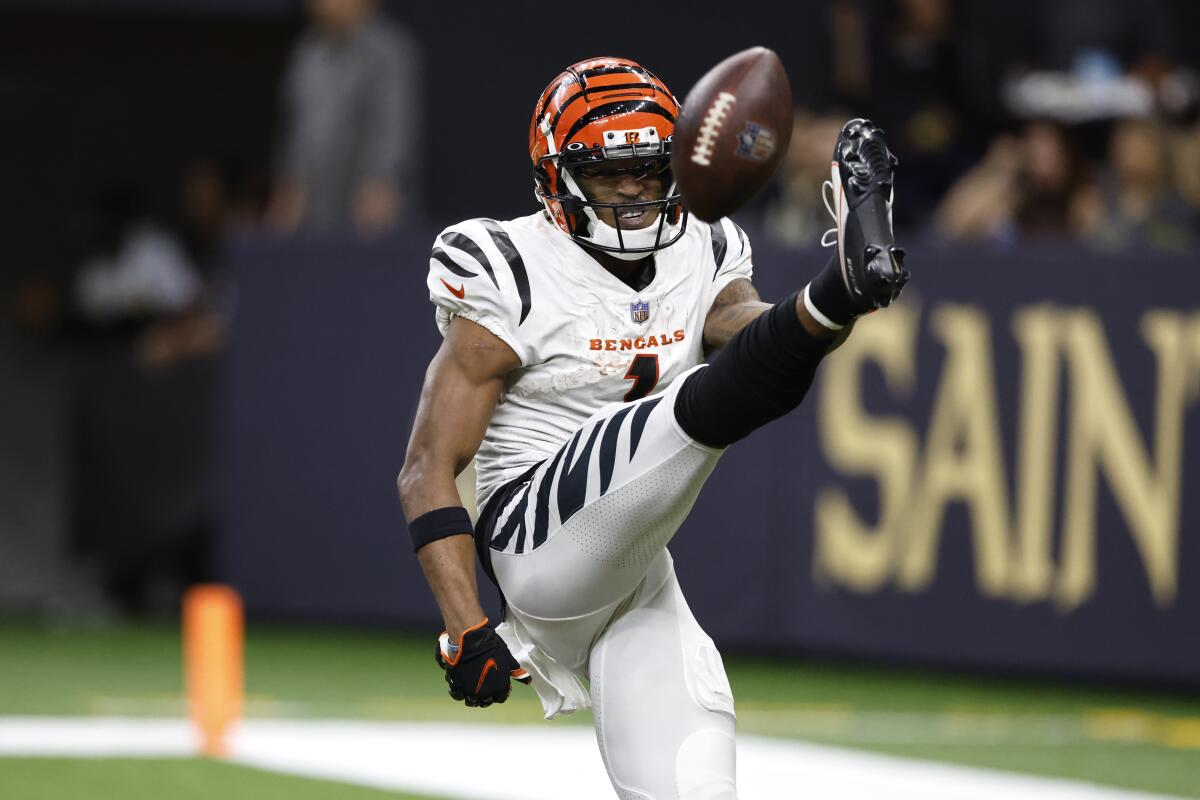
<point>578,534</point>
<point>575,540</point>
<point>766,369</point>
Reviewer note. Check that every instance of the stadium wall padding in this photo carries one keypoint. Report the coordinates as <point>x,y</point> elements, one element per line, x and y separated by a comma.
<point>1001,473</point>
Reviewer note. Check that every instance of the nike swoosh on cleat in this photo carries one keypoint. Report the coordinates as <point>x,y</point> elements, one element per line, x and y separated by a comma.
<point>460,292</point>
<point>490,664</point>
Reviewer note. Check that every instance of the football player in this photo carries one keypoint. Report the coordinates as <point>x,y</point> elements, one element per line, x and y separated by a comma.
<point>572,371</point>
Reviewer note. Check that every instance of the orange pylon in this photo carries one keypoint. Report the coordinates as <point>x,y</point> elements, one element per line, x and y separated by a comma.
<point>213,632</point>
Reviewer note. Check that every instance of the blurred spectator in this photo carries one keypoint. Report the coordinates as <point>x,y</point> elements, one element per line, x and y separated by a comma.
<point>912,67</point>
<point>1086,60</point>
<point>1031,186</point>
<point>1185,162</point>
<point>137,269</point>
<point>350,120</point>
<point>1072,34</point>
<point>142,280</point>
<point>218,196</point>
<point>919,99</point>
<point>1140,206</point>
<point>146,368</point>
<point>1057,195</point>
<point>797,215</point>
<point>849,34</point>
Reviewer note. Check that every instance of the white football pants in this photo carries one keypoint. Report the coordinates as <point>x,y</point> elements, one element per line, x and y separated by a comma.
<point>580,554</point>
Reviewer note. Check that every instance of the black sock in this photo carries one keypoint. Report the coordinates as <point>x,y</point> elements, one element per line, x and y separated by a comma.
<point>827,292</point>
<point>763,373</point>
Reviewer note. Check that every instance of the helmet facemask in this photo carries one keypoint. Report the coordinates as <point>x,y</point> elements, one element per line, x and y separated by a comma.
<point>558,185</point>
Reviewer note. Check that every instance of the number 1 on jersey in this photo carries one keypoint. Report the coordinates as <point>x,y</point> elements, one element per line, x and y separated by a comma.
<point>644,374</point>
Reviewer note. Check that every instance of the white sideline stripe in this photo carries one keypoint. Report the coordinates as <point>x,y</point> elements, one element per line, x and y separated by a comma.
<point>96,737</point>
<point>561,761</point>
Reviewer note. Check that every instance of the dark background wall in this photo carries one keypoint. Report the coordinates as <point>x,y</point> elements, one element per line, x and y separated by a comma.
<point>92,95</point>
<point>330,337</point>
<point>92,90</point>
<point>331,340</point>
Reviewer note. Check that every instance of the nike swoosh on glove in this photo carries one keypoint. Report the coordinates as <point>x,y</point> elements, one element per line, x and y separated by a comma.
<point>480,670</point>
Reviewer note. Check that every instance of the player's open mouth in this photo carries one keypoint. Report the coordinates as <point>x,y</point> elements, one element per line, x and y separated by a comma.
<point>635,218</point>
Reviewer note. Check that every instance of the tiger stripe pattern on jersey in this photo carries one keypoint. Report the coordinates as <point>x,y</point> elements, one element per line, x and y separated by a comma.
<point>560,489</point>
<point>467,245</point>
<point>504,244</point>
<point>460,241</point>
<point>720,243</point>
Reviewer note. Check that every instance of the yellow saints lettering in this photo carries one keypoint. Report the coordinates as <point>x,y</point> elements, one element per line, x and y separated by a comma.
<point>1018,553</point>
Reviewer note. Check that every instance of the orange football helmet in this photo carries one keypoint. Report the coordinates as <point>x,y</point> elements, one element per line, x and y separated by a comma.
<point>600,110</point>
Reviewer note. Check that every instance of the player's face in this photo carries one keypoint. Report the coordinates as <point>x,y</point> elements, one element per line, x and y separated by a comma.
<point>625,181</point>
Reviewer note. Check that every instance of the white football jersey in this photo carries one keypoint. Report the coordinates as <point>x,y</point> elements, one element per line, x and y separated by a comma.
<point>584,338</point>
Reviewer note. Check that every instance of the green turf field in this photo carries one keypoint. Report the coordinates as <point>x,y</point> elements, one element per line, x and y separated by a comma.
<point>156,779</point>
<point>1141,740</point>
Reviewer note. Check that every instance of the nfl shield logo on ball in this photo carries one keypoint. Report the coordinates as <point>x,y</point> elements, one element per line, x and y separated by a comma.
<point>755,142</point>
<point>640,311</point>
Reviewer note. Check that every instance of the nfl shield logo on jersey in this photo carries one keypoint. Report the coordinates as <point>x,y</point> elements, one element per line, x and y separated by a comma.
<point>640,311</point>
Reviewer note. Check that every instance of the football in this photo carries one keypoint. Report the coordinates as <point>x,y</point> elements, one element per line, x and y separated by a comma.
<point>733,130</point>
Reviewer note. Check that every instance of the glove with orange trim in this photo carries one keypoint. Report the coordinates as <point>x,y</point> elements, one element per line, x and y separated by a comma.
<point>479,669</point>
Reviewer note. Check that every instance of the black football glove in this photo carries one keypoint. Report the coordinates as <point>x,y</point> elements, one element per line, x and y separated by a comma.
<point>480,670</point>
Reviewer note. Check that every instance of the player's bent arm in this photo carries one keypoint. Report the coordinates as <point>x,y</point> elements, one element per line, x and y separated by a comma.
<point>462,386</point>
<point>738,305</point>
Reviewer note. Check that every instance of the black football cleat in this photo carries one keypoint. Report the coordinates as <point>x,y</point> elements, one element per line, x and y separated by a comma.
<point>862,174</point>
